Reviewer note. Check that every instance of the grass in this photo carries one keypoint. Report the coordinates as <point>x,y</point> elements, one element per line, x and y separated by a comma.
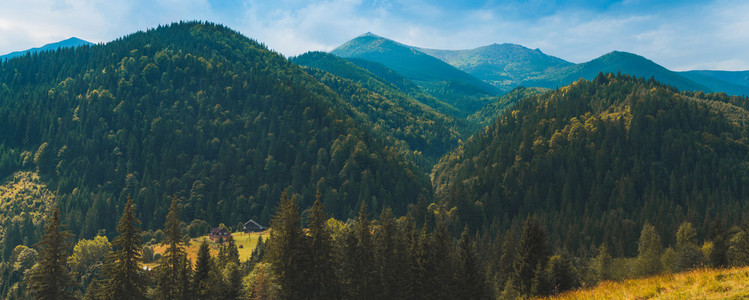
<point>696,284</point>
<point>245,244</point>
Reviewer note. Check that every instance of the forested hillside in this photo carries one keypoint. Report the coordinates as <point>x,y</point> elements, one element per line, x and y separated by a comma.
<point>597,159</point>
<point>195,111</point>
<point>427,134</point>
<point>443,81</point>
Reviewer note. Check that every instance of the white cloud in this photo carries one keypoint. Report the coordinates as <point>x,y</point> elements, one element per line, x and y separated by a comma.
<point>706,35</point>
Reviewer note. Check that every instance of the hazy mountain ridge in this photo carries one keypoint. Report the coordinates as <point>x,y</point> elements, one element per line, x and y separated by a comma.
<point>445,82</point>
<point>68,43</point>
<point>502,65</point>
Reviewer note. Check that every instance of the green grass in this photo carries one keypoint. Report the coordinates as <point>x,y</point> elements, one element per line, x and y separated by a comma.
<point>245,244</point>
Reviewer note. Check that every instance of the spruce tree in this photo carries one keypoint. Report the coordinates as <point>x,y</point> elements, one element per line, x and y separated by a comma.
<point>532,254</point>
<point>203,280</point>
<point>171,274</point>
<point>50,277</point>
<point>286,248</point>
<point>322,269</point>
<point>470,276</point>
<point>122,273</point>
<point>366,274</point>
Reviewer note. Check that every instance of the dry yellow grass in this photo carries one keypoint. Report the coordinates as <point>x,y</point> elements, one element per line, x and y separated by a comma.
<point>696,284</point>
<point>245,244</point>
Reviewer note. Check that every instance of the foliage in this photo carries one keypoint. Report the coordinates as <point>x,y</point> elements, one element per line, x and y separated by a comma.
<point>50,277</point>
<point>197,111</point>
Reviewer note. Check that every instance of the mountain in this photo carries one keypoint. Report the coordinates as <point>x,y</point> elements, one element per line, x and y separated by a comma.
<point>434,76</point>
<point>597,159</point>
<point>425,132</point>
<point>505,66</point>
<point>69,43</point>
<point>730,82</point>
<point>616,61</point>
<point>198,112</point>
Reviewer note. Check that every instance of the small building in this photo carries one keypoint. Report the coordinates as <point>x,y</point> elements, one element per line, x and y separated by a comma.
<point>252,226</point>
<point>219,233</point>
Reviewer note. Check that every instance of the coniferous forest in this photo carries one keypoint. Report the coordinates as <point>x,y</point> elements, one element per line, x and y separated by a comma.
<point>373,186</point>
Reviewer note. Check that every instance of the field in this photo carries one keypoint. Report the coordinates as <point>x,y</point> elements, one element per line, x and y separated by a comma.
<point>245,244</point>
<point>696,284</point>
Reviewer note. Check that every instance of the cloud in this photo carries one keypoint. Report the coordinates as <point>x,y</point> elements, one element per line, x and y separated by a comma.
<point>677,34</point>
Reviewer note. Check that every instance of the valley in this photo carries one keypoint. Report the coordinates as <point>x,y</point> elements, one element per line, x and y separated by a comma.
<point>385,171</point>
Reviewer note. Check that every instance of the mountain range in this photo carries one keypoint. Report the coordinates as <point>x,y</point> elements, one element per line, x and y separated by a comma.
<point>507,66</point>
<point>68,43</point>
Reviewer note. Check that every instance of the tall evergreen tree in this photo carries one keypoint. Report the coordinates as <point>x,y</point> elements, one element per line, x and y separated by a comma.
<point>171,274</point>
<point>203,280</point>
<point>122,273</point>
<point>50,277</point>
<point>366,274</point>
<point>322,267</point>
<point>470,276</point>
<point>532,254</point>
<point>286,248</point>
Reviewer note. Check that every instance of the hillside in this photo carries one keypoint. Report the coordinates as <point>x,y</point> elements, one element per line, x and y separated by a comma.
<point>505,66</point>
<point>197,111</point>
<point>68,43</point>
<point>426,133</point>
<point>434,76</point>
<point>732,83</point>
<point>487,114</point>
<point>616,61</point>
<point>598,158</point>
<point>697,284</point>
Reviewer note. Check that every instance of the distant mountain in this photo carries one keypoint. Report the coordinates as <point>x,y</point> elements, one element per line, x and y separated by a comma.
<point>436,77</point>
<point>69,43</point>
<point>730,82</point>
<point>505,66</point>
<point>616,61</point>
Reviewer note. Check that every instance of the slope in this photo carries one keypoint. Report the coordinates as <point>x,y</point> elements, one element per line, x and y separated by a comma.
<point>423,130</point>
<point>486,115</point>
<point>436,77</point>
<point>598,158</point>
<point>68,43</point>
<point>730,82</point>
<point>199,112</point>
<point>616,61</point>
<point>505,66</point>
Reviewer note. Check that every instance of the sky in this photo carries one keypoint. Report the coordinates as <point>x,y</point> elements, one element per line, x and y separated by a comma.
<point>680,35</point>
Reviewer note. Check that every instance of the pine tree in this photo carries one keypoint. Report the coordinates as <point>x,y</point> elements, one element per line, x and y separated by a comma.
<point>172,273</point>
<point>506,260</point>
<point>366,273</point>
<point>322,271</point>
<point>470,276</point>
<point>286,248</point>
<point>50,277</point>
<point>203,280</point>
<point>122,273</point>
<point>532,254</point>
<point>389,257</point>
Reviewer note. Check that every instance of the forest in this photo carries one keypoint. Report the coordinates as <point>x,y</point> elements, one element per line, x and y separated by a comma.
<point>373,187</point>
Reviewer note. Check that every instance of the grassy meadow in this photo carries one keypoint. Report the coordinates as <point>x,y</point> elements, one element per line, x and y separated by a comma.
<point>245,244</point>
<point>696,284</point>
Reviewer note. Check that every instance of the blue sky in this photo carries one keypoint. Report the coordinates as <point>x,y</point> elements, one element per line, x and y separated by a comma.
<point>681,35</point>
